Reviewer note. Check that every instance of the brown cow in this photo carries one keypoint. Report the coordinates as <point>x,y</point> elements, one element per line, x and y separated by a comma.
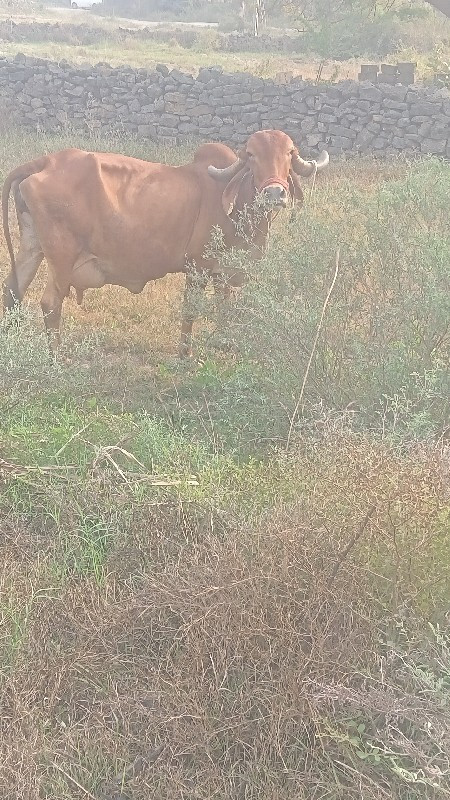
<point>102,218</point>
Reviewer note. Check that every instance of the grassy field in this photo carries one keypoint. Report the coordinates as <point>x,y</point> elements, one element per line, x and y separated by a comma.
<point>140,53</point>
<point>190,59</point>
<point>202,595</point>
<point>149,53</point>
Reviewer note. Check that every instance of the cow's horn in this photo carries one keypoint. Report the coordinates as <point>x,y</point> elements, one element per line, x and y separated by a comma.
<point>306,168</point>
<point>227,173</point>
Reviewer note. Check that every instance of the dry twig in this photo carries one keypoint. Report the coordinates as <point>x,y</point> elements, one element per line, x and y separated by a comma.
<point>313,350</point>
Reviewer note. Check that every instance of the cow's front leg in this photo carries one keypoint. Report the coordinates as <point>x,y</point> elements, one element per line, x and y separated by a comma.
<point>195,284</point>
<point>226,288</point>
<point>222,288</point>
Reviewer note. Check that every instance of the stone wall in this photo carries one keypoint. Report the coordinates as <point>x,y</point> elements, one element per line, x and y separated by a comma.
<point>169,105</point>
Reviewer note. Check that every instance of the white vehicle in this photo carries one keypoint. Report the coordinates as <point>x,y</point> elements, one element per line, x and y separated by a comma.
<point>85,3</point>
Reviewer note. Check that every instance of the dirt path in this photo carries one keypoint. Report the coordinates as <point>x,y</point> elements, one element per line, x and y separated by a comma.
<point>138,23</point>
<point>81,16</point>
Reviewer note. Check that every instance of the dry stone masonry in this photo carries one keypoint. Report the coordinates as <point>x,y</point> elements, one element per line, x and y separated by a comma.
<point>170,106</point>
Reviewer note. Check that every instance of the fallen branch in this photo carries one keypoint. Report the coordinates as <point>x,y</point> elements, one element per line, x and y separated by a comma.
<point>20,469</point>
<point>352,543</point>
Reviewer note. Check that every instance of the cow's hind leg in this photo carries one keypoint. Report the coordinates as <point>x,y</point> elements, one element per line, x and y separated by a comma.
<point>28,259</point>
<point>51,304</point>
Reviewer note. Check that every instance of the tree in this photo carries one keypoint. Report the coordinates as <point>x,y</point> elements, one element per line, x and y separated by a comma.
<point>342,29</point>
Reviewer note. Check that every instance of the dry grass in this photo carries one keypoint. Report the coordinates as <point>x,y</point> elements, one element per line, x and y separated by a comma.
<point>148,53</point>
<point>214,658</point>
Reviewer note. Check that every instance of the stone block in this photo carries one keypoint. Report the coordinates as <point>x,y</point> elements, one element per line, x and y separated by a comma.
<point>439,131</point>
<point>339,130</point>
<point>379,143</point>
<point>326,117</point>
<point>342,143</point>
<point>424,109</point>
<point>394,104</point>
<point>300,106</point>
<point>433,146</point>
<point>308,125</point>
<point>364,138</point>
<point>251,117</point>
<point>370,92</point>
<point>148,131</point>
<point>239,98</point>
<point>313,139</point>
<point>399,142</point>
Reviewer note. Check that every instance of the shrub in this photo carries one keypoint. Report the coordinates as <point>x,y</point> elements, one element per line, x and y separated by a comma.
<point>383,349</point>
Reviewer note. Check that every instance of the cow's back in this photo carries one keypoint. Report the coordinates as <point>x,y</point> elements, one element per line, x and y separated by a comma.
<point>135,217</point>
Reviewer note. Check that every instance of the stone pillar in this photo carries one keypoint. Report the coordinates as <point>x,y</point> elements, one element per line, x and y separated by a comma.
<point>369,72</point>
<point>405,72</point>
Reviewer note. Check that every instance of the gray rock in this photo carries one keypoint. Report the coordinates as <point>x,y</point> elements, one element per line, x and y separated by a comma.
<point>308,125</point>
<point>326,117</point>
<point>433,146</point>
<point>148,131</point>
<point>395,104</point>
<point>364,138</point>
<point>439,131</point>
<point>412,137</point>
<point>200,110</point>
<point>342,143</point>
<point>368,91</point>
<point>424,109</point>
<point>250,118</point>
<point>379,143</point>
<point>339,130</point>
<point>399,142</point>
<point>313,139</point>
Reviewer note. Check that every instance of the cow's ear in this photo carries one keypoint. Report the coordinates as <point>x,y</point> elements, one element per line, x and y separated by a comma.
<point>231,191</point>
<point>295,187</point>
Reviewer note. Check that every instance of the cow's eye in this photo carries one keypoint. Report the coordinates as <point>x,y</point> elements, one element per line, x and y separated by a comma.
<point>250,155</point>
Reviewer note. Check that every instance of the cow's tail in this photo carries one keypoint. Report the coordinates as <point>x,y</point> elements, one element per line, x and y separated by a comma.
<point>18,174</point>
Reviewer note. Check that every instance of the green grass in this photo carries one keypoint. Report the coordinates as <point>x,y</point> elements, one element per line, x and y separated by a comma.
<point>186,604</point>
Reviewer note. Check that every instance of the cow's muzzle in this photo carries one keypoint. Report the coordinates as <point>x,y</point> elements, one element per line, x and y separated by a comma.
<point>275,193</point>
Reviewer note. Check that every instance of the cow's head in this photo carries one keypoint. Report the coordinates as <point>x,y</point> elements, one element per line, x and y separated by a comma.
<point>271,163</point>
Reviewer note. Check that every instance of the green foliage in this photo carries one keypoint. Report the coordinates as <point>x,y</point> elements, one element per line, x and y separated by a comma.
<point>438,66</point>
<point>383,349</point>
<point>349,29</point>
